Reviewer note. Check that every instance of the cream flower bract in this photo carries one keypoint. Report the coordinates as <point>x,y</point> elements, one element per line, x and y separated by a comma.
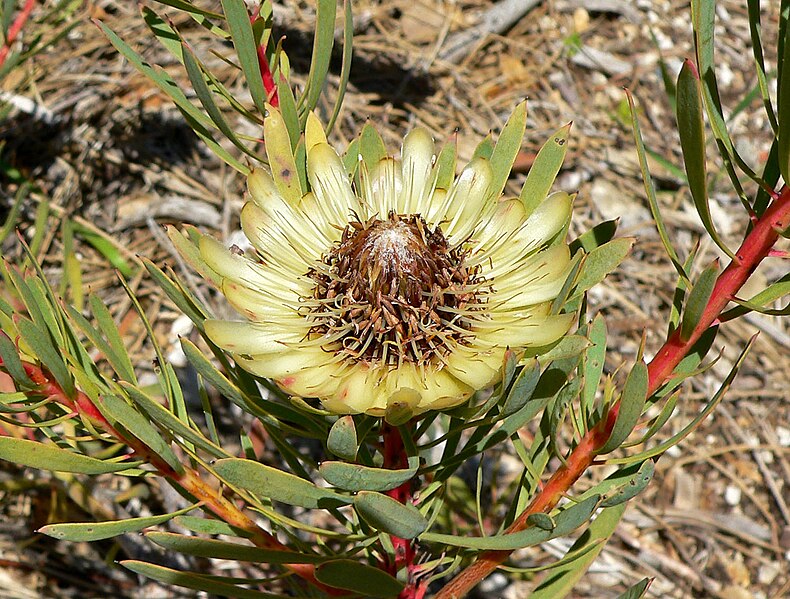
<point>387,289</point>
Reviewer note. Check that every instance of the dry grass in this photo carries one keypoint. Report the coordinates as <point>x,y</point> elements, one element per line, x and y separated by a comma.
<point>116,156</point>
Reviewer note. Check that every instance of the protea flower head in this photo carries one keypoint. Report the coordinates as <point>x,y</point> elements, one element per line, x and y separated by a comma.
<point>391,287</point>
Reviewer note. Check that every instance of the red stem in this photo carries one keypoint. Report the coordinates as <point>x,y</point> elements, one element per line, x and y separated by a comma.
<point>395,458</point>
<point>15,28</point>
<point>755,247</point>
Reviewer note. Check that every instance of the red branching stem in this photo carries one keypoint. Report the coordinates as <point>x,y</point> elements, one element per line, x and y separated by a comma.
<point>189,478</point>
<point>15,29</point>
<point>395,458</point>
<point>755,247</point>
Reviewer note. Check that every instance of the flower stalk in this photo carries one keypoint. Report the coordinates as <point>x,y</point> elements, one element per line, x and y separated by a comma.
<point>15,29</point>
<point>756,246</point>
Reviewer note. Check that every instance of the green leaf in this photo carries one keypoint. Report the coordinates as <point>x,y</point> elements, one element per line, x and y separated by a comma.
<point>691,128</point>
<point>600,262</point>
<point>323,41</point>
<point>277,485</point>
<point>246,49</point>
<point>233,551</point>
<point>595,237</point>
<point>139,426</point>
<point>650,190</point>
<point>353,477</point>
<point>698,300</point>
<point>638,591</point>
<point>170,422</point>
<point>123,364</point>
<point>359,578</point>
<point>281,157</point>
<point>288,109</point>
<point>195,72</point>
<point>342,439</point>
<point>544,170</point>
<point>632,402</point>
<point>94,531</point>
<point>561,581</point>
<point>594,360</point>
<point>388,515</point>
<point>569,346</point>
<point>196,119</point>
<point>523,388</point>
<point>210,527</point>
<point>191,580</point>
<point>507,148</point>
<point>566,521</point>
<point>783,103</point>
<point>345,64</point>
<point>12,364</point>
<point>50,457</point>
<point>685,431</point>
<point>632,487</point>
<point>47,353</point>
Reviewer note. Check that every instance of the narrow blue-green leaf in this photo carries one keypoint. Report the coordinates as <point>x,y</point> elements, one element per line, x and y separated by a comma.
<point>600,262</point>
<point>703,13</point>
<point>658,422</point>
<point>650,191</point>
<point>542,521</point>
<point>345,64</point>
<point>679,296</point>
<point>544,170</point>
<point>359,578</point>
<point>50,457</point>
<point>244,41</point>
<point>683,433</point>
<point>183,301</point>
<point>632,402</point>
<point>632,487</point>
<point>638,591</point>
<point>698,299</point>
<point>322,53</point>
<point>566,521</point>
<point>210,372</point>
<point>195,73</point>
<point>122,362</point>
<point>755,32</point>
<point>194,117</point>
<point>45,351</point>
<point>691,127</point>
<point>288,109</point>
<point>207,526</point>
<point>389,515</point>
<point>189,7</point>
<point>353,477</point>
<point>95,531</point>
<point>351,157</point>
<point>11,362</point>
<point>523,388</point>
<point>507,147</point>
<point>169,422</point>
<point>783,103</point>
<point>13,214</point>
<point>342,440</point>
<point>191,580</point>
<point>134,422</point>
<point>560,581</point>
<point>277,485</point>
<point>594,360</point>
<point>595,237</point>
<point>233,551</point>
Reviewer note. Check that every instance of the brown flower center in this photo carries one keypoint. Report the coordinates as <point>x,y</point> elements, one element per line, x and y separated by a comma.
<point>393,290</point>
